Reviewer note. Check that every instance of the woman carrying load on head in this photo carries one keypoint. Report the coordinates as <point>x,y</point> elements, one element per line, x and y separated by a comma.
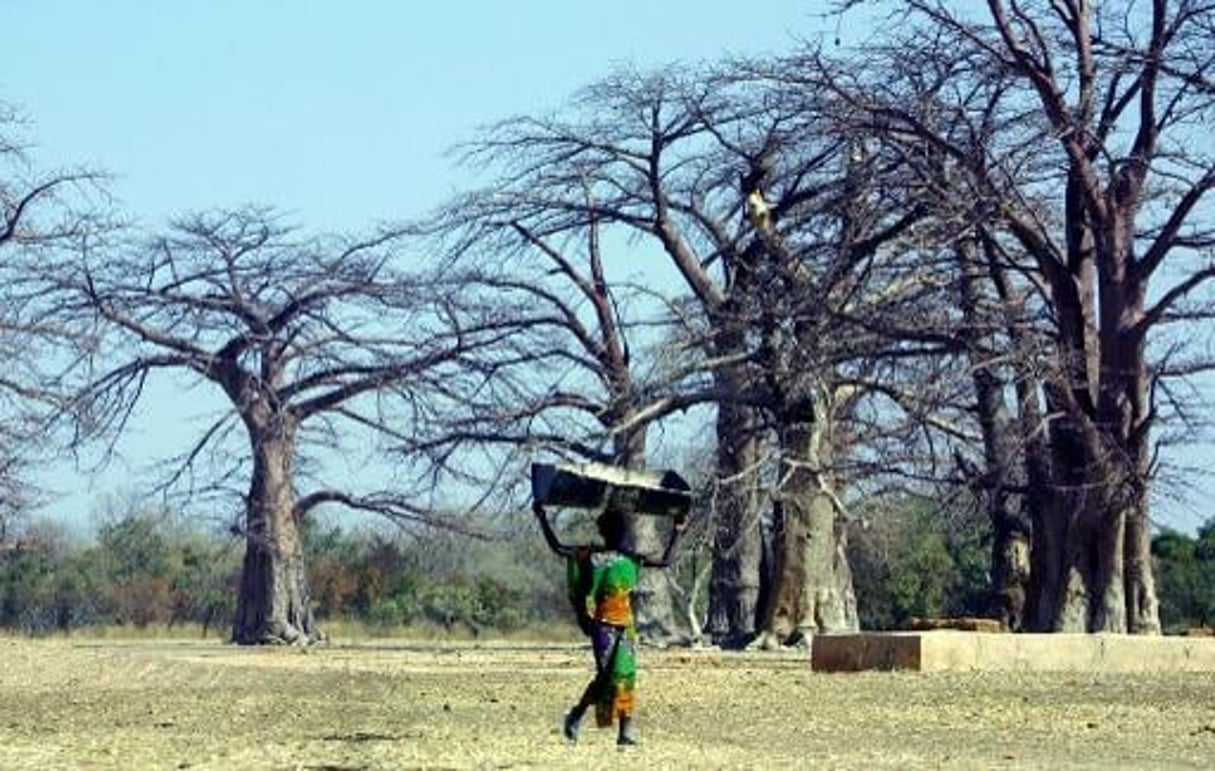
<point>602,580</point>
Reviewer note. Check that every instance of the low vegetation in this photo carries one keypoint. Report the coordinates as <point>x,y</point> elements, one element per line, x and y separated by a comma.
<point>149,573</point>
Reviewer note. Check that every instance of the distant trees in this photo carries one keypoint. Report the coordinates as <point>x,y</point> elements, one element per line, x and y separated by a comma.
<point>145,569</point>
<point>1186,572</point>
<point>438,578</point>
<point>152,569</point>
<point>914,559</point>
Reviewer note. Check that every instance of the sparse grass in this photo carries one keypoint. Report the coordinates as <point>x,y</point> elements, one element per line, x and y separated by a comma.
<point>338,631</point>
<point>393,704</point>
<point>348,632</point>
<point>190,631</point>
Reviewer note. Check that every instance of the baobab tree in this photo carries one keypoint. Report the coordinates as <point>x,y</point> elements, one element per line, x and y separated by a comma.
<point>1111,212</point>
<point>673,160</point>
<point>974,322</point>
<point>567,176</point>
<point>316,345</point>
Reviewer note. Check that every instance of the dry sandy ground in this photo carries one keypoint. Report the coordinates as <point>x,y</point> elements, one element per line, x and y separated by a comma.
<point>397,705</point>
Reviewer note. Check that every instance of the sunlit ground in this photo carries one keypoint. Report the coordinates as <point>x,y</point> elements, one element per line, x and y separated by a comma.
<point>393,704</point>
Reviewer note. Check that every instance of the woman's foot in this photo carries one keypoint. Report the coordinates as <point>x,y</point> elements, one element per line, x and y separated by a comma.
<point>569,726</point>
<point>628,734</point>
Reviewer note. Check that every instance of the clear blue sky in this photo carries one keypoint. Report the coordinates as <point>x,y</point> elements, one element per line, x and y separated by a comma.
<point>339,112</point>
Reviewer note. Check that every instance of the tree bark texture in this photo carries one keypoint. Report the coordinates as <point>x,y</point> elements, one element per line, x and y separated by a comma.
<point>812,590</point>
<point>273,604</point>
<point>737,545</point>
<point>1101,443</point>
<point>1047,516</point>
<point>654,605</point>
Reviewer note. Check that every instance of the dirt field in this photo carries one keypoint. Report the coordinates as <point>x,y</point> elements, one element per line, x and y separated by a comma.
<point>396,705</point>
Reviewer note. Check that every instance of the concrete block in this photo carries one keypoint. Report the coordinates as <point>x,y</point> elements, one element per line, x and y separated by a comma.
<point>952,651</point>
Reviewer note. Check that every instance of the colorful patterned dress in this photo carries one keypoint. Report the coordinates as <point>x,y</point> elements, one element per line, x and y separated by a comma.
<point>604,582</point>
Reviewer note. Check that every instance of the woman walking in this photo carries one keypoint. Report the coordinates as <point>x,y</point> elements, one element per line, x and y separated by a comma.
<point>602,580</point>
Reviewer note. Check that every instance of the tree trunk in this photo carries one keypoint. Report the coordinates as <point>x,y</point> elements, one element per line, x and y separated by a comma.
<point>1107,583</point>
<point>654,604</point>
<point>1010,570</point>
<point>812,590</point>
<point>1093,597</point>
<point>1143,607</point>
<point>1009,562</point>
<point>1072,453</point>
<point>273,605</point>
<point>734,585</point>
<point>1046,507</point>
<point>1108,593</point>
<point>1127,415</point>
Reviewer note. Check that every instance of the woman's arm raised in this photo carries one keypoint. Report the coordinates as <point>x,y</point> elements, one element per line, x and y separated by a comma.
<point>550,537</point>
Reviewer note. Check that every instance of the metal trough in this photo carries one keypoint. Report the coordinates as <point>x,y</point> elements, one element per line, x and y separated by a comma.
<point>588,485</point>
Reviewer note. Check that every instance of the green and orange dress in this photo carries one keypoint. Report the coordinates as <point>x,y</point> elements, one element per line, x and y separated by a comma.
<point>603,583</point>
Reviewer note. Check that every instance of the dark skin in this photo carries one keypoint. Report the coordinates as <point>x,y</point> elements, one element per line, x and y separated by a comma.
<point>611,530</point>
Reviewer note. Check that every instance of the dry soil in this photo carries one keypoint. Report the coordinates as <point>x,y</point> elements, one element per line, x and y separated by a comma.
<point>400,704</point>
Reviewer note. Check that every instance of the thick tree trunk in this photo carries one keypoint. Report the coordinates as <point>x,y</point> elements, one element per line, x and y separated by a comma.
<point>1108,593</point>
<point>1093,598</point>
<point>1074,455</point>
<point>1127,415</point>
<point>1107,583</point>
<point>1142,605</point>
<point>273,605</point>
<point>1010,570</point>
<point>737,546</point>
<point>812,590</point>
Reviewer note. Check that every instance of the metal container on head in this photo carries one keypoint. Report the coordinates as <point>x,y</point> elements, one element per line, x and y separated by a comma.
<point>594,485</point>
